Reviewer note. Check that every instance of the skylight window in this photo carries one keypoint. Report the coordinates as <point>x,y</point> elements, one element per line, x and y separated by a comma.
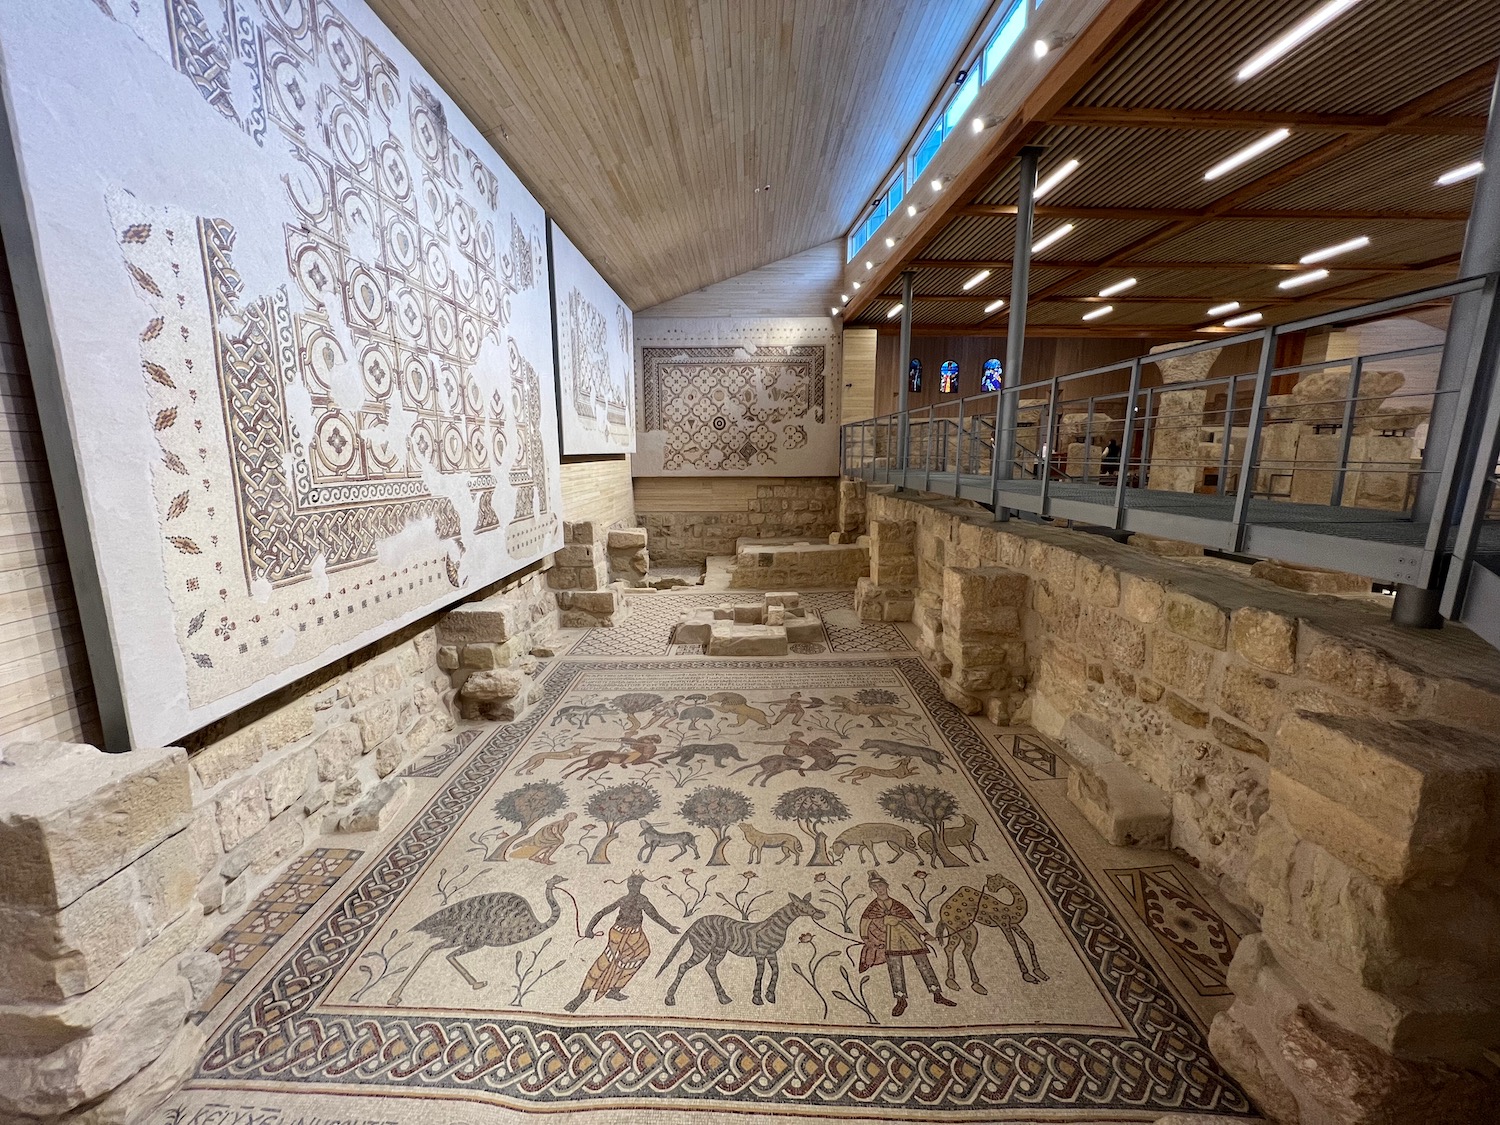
<point>961,101</point>
<point>1009,34</point>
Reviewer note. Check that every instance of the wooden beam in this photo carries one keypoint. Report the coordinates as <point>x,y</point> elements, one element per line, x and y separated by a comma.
<point>999,264</point>
<point>1092,299</point>
<point>1174,214</point>
<point>1144,118</point>
<point>1056,331</point>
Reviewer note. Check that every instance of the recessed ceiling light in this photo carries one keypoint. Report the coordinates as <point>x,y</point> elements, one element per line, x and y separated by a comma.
<point>1461,173</point>
<point>911,210</point>
<point>1097,313</point>
<point>1334,251</point>
<point>1055,177</point>
<point>1236,321</point>
<point>844,297</point>
<point>1117,287</point>
<point>993,305</point>
<point>869,265</point>
<point>1294,36</point>
<point>889,242</point>
<point>834,311</point>
<point>1297,280</point>
<point>977,124</point>
<point>1055,236</point>
<point>895,312</point>
<point>976,279</point>
<point>937,185</point>
<point>1226,307</point>
<point>1040,48</point>
<point>855,284</point>
<point>1247,154</point>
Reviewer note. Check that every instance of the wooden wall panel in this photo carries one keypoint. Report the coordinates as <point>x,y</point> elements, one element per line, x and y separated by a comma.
<point>598,488</point>
<point>859,374</point>
<point>45,689</point>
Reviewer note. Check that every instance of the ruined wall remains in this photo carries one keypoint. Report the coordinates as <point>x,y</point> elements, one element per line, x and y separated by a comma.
<point>689,520</point>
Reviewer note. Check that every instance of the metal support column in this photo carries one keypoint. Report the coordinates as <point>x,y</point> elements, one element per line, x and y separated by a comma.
<point>903,373</point>
<point>1441,496</point>
<point>1015,335</point>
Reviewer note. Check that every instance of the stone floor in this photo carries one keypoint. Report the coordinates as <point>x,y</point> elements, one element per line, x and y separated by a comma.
<point>536,936</point>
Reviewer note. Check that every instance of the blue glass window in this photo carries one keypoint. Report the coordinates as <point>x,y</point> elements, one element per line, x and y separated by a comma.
<point>927,148</point>
<point>948,383</point>
<point>914,376</point>
<point>992,379</point>
<point>961,101</point>
<point>897,192</point>
<point>1007,37</point>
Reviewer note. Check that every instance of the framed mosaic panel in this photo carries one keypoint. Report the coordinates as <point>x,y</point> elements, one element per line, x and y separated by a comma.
<point>595,346</point>
<point>752,397</point>
<point>290,322</point>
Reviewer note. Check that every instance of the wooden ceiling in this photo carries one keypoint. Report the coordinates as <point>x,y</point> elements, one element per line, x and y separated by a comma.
<point>1379,104</point>
<point>645,126</point>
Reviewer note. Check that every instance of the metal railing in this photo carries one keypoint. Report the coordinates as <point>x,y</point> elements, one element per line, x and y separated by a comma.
<point>1318,462</point>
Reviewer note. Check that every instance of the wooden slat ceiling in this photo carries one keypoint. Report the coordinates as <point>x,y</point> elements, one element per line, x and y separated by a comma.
<point>645,126</point>
<point>1381,102</point>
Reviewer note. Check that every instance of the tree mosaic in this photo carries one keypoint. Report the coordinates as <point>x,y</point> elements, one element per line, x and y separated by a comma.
<point>810,808</point>
<point>618,805</point>
<point>718,809</point>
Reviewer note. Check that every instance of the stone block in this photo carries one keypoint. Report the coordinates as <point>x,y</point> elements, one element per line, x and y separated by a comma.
<point>242,812</point>
<point>389,755</point>
<point>804,630</point>
<point>749,615</point>
<point>286,781</point>
<point>1122,805</point>
<point>1396,800</point>
<point>1165,548</point>
<point>1237,738</point>
<point>265,851</point>
<point>730,639</point>
<point>1185,712</point>
<point>71,816</point>
<point>627,538</point>
<point>580,531</point>
<point>376,722</point>
<point>485,687</point>
<point>1310,579</point>
<point>1365,672</point>
<point>377,808</point>
<point>1141,599</point>
<point>336,750</point>
<point>447,657</point>
<point>1196,619</point>
<point>1098,583</point>
<point>1265,638</point>
<point>231,756</point>
<point>1181,664</point>
<point>694,627</point>
<point>1251,697</point>
<point>590,601</point>
<point>287,725</point>
<point>492,620</point>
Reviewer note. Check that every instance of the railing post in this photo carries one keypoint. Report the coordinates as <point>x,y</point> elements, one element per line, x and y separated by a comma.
<point>1088,439</point>
<point>1049,447</point>
<point>958,454</point>
<point>1228,429</point>
<point>1015,337</point>
<point>1146,435</point>
<point>903,388</point>
<point>1127,440</point>
<point>1346,434</point>
<point>1252,438</point>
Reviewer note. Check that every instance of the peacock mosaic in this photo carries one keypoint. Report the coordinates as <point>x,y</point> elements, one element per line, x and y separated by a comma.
<point>595,345</point>
<point>327,344</point>
<point>753,397</point>
<point>790,888</point>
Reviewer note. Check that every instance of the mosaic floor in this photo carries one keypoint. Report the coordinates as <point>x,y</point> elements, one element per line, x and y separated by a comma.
<point>791,888</point>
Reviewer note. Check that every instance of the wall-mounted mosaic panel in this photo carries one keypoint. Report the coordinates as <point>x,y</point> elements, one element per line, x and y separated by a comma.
<point>755,397</point>
<point>595,364</point>
<point>301,320</point>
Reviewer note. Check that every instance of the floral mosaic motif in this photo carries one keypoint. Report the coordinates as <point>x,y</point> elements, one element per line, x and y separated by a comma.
<point>1200,942</point>
<point>729,408</point>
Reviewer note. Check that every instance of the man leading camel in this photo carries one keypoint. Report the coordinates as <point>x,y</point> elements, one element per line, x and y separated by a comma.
<point>891,933</point>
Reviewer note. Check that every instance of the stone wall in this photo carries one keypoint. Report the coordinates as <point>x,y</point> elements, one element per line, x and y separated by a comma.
<point>120,868</point>
<point>689,520</point>
<point>1338,777</point>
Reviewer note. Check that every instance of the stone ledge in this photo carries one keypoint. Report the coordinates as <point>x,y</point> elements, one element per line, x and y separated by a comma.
<point>1123,806</point>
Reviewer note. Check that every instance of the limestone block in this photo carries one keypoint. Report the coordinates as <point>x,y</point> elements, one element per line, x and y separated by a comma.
<point>787,599</point>
<point>287,725</point>
<point>54,955</point>
<point>1167,548</point>
<point>804,630</point>
<point>776,615</point>
<point>1141,599</point>
<point>1181,664</point>
<point>1237,738</point>
<point>1309,578</point>
<point>978,596</point>
<point>693,628</point>
<point>389,755</point>
<point>1196,619</point>
<point>337,749</point>
<point>447,657</point>
<point>377,808</point>
<point>590,601</point>
<point>422,731</point>
<point>230,756</point>
<point>580,531</point>
<point>578,556</point>
<point>1111,635</point>
<point>389,678</point>
<point>1123,806</point>
<point>1251,697</point>
<point>730,639</point>
<point>1465,704</point>
<point>964,701</point>
<point>358,685</point>
<point>883,603</point>
<point>627,538</point>
<point>1364,672</point>
<point>71,816</point>
<point>204,834</point>
<point>265,851</point>
<point>132,1100</point>
<point>749,615</point>
<point>492,620</point>
<point>1059,612</point>
<point>1265,638</point>
<point>376,722</point>
<point>53,1080</point>
<point>485,687</point>
<point>1396,800</point>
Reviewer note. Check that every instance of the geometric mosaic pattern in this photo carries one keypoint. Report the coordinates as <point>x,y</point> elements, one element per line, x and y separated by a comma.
<point>1149,1057</point>
<point>1189,929</point>
<point>274,913</point>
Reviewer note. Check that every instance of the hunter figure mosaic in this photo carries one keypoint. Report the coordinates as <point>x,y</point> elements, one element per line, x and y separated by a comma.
<point>310,381</point>
<point>799,888</point>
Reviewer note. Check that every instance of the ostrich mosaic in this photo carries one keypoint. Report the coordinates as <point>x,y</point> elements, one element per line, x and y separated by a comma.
<point>485,921</point>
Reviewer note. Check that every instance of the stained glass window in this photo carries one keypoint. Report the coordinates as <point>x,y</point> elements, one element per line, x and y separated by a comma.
<point>949,377</point>
<point>992,378</point>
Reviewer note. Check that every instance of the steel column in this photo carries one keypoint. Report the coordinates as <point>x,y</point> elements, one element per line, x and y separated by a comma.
<point>1347,434</point>
<point>1015,336</point>
<point>1252,439</point>
<point>904,386</point>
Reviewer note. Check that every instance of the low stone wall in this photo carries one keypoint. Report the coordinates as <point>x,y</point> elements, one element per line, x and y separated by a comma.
<point>797,566</point>
<point>118,868</point>
<point>1339,777</point>
<point>806,508</point>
